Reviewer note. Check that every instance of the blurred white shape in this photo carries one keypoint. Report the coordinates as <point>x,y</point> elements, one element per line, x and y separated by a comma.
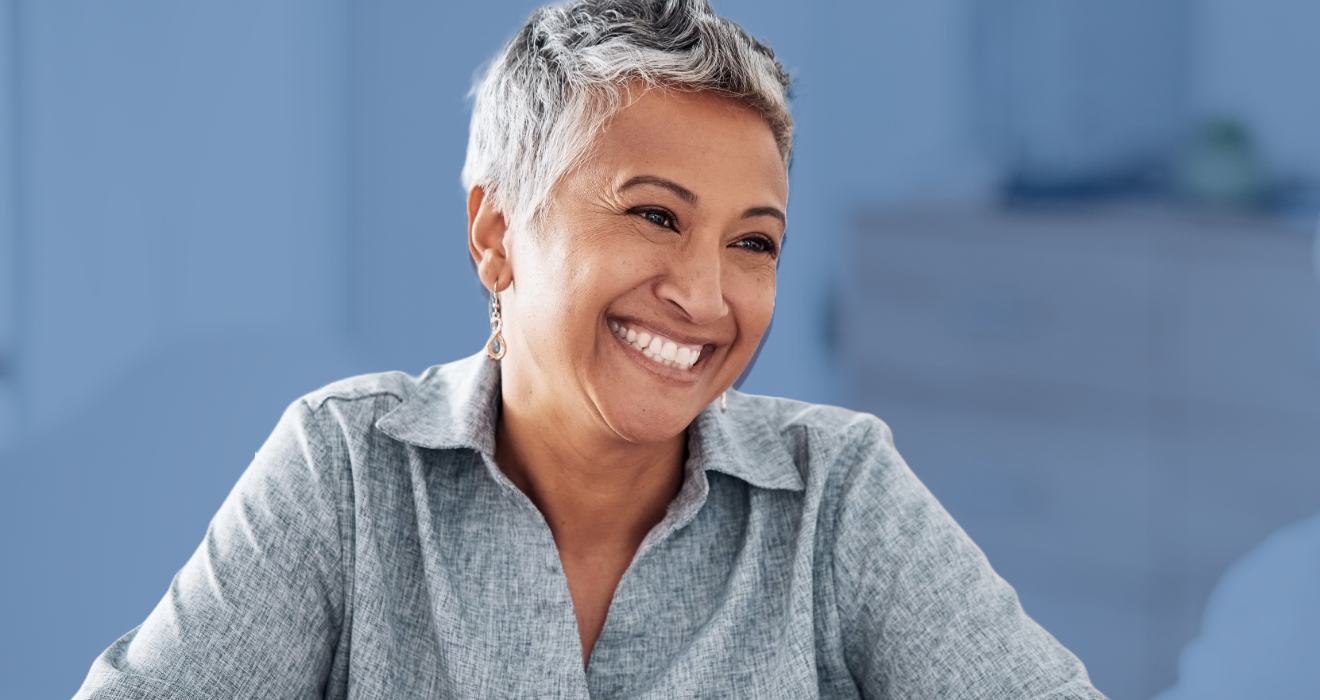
<point>1260,637</point>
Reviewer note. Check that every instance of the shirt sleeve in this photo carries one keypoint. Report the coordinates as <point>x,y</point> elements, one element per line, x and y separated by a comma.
<point>256,612</point>
<point>922,613</point>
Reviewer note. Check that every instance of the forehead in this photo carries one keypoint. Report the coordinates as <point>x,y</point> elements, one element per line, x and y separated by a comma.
<point>705,141</point>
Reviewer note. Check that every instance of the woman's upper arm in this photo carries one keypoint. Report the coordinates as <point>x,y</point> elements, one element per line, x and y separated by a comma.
<point>923,614</point>
<point>257,609</point>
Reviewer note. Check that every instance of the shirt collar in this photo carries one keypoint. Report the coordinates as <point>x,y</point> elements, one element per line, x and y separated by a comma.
<point>456,406</point>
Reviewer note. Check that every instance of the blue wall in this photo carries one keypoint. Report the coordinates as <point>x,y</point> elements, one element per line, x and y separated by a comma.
<point>181,218</point>
<point>210,208</point>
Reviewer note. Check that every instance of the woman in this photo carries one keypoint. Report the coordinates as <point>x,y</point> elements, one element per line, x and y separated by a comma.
<point>585,509</point>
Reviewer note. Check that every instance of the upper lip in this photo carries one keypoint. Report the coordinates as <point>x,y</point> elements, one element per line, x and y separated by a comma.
<point>665,332</point>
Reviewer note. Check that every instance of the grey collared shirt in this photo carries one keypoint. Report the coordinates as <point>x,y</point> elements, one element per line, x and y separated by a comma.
<point>373,549</point>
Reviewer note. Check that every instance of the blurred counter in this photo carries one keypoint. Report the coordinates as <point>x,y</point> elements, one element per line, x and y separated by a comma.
<point>1115,403</point>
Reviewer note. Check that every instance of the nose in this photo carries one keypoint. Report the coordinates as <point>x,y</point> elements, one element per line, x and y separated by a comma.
<point>694,284</point>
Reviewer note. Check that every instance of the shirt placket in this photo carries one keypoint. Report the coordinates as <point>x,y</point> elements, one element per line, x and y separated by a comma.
<point>549,614</point>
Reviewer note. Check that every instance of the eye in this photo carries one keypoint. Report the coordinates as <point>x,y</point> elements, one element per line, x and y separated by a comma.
<point>756,244</point>
<point>659,217</point>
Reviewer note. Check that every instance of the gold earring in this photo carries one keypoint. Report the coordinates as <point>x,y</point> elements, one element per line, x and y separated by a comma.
<point>495,347</point>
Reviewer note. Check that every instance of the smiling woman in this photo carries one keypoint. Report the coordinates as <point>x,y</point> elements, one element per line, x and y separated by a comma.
<point>586,509</point>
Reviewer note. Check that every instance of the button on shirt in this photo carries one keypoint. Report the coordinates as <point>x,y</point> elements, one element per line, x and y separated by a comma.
<point>373,549</point>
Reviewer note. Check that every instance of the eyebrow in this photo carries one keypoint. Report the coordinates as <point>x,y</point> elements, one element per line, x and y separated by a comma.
<point>682,192</point>
<point>690,197</point>
<point>771,212</point>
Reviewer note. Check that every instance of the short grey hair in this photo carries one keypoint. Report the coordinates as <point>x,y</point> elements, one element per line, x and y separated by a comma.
<point>540,102</point>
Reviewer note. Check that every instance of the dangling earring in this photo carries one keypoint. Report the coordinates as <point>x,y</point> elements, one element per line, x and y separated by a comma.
<point>495,346</point>
<point>724,402</point>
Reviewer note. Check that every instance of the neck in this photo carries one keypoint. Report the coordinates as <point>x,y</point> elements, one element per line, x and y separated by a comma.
<point>595,489</point>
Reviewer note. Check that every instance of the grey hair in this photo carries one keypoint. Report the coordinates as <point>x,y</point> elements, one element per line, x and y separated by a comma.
<point>540,102</point>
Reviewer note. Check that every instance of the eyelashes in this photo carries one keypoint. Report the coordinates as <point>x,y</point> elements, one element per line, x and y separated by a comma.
<point>756,243</point>
<point>659,217</point>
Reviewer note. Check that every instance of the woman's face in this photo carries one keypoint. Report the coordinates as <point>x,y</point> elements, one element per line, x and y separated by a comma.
<point>648,287</point>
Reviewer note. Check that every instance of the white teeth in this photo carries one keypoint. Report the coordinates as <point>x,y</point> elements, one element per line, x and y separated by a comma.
<point>666,352</point>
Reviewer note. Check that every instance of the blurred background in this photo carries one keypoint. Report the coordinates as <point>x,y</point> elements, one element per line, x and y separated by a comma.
<point>1063,248</point>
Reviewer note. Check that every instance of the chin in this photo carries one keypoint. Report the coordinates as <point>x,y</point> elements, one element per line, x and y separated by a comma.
<point>650,426</point>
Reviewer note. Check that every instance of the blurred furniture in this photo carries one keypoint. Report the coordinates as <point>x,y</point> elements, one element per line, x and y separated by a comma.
<point>1114,402</point>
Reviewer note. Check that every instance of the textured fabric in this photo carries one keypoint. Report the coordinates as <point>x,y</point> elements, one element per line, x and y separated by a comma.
<point>373,549</point>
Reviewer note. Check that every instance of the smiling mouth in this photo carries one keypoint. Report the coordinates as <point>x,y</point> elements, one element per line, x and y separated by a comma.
<point>658,348</point>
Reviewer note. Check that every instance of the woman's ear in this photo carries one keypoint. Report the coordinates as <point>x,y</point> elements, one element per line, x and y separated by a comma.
<point>488,232</point>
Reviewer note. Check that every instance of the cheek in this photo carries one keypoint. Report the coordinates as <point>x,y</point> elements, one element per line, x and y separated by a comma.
<point>543,280</point>
<point>753,297</point>
<point>566,284</point>
<point>609,260</point>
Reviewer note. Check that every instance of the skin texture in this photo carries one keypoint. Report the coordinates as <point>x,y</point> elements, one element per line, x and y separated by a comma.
<point>673,223</point>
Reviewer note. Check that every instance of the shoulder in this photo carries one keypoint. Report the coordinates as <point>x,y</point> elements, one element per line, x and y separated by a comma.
<point>397,386</point>
<point>852,474</point>
<point>822,437</point>
<point>368,406</point>
<point>448,406</point>
<point>350,407</point>
<point>830,421</point>
<point>321,425</point>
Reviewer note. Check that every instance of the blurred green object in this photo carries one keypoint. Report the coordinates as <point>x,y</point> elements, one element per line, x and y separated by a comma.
<point>1221,167</point>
